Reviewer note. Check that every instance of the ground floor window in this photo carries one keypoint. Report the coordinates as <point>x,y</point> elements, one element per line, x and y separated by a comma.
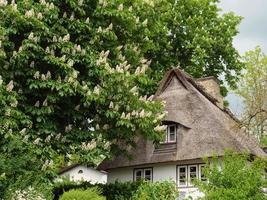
<point>186,174</point>
<point>144,173</point>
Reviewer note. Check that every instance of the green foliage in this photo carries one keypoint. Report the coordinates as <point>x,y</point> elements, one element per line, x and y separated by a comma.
<point>114,191</point>
<point>89,194</point>
<point>252,87</point>
<point>121,191</point>
<point>75,74</point>
<point>165,190</point>
<point>239,178</point>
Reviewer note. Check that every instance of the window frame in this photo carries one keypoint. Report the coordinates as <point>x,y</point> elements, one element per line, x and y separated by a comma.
<point>189,174</point>
<point>187,166</point>
<point>143,176</point>
<point>178,176</point>
<point>200,171</point>
<point>167,134</point>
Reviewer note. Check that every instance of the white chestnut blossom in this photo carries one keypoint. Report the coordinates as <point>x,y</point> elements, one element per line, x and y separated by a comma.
<point>48,75</point>
<point>40,15</point>
<point>10,86</point>
<point>106,127</point>
<point>116,108</point>
<point>87,20</point>
<point>123,115</point>
<point>37,103</point>
<point>72,16</point>
<point>54,38</point>
<point>23,131</point>
<point>43,77</point>
<point>99,30</point>
<point>110,27</point>
<point>120,7</point>
<point>119,47</point>
<point>14,104</point>
<point>90,145</point>
<point>97,127</point>
<point>36,75</point>
<point>29,13</point>
<point>3,3</point>
<point>70,63</point>
<point>1,80</point>
<point>77,108</point>
<point>45,102</point>
<point>142,114</point>
<point>133,90</point>
<point>37,141</point>
<point>145,22</point>
<point>32,64</point>
<point>159,128</point>
<point>66,38</point>
<point>130,9</point>
<point>80,2</point>
<point>68,128</point>
<point>96,90</point>
<point>111,105</point>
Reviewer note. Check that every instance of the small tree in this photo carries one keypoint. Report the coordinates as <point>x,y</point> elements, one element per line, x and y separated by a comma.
<point>237,178</point>
<point>253,89</point>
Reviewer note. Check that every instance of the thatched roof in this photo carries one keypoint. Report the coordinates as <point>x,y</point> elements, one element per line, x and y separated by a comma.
<point>205,130</point>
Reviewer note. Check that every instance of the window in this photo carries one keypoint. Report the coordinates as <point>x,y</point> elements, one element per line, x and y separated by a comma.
<point>182,176</point>
<point>188,173</point>
<point>138,174</point>
<point>201,174</point>
<point>192,174</point>
<point>145,173</point>
<point>171,133</point>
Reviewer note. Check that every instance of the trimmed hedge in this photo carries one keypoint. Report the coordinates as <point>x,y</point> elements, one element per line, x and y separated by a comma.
<point>115,191</point>
<point>88,194</point>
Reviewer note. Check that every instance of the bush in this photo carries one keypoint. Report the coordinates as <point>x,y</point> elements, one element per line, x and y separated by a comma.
<point>114,191</point>
<point>240,178</point>
<point>165,190</point>
<point>89,194</point>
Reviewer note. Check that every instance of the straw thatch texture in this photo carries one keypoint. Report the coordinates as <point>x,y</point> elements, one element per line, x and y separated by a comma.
<point>205,128</point>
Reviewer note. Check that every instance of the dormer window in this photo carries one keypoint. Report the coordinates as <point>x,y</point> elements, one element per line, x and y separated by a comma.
<point>171,131</point>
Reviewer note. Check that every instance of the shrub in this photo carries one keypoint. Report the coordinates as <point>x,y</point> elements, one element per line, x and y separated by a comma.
<point>114,191</point>
<point>89,194</point>
<point>165,190</point>
<point>240,178</point>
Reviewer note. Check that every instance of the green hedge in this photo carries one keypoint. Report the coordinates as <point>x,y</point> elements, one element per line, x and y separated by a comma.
<point>115,191</point>
<point>79,194</point>
<point>165,190</point>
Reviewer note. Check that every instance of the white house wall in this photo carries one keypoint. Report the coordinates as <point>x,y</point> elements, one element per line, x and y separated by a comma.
<point>160,172</point>
<point>89,174</point>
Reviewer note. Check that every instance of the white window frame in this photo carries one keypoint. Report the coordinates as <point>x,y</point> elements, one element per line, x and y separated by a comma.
<point>167,134</point>
<point>143,176</point>
<point>200,171</point>
<point>186,176</point>
<point>138,170</point>
<point>151,174</point>
<point>189,174</point>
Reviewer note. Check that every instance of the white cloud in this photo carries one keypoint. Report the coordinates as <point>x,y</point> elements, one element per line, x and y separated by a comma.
<point>253,27</point>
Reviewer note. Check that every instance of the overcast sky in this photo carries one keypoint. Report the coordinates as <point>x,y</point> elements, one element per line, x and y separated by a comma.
<point>252,32</point>
<point>253,28</point>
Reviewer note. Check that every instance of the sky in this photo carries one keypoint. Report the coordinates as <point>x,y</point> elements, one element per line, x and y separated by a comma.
<point>252,32</point>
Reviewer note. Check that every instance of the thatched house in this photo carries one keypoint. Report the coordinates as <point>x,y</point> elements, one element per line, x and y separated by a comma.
<point>198,126</point>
